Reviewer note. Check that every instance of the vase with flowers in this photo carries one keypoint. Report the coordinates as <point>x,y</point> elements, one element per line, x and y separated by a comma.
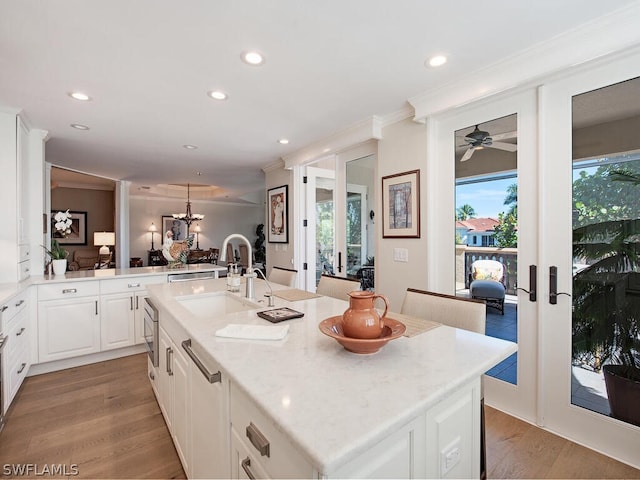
<point>62,226</point>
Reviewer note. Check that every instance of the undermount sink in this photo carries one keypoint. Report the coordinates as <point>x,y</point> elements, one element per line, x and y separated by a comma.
<point>205,305</point>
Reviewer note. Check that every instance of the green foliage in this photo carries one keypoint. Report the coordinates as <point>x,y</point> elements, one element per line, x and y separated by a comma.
<point>465,211</point>
<point>56,252</point>
<point>506,232</point>
<point>606,309</point>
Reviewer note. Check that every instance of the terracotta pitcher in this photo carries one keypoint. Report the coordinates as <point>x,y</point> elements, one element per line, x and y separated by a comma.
<point>361,320</point>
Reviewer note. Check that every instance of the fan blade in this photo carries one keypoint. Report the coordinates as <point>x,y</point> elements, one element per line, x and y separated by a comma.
<point>505,135</point>
<point>509,147</point>
<point>467,154</point>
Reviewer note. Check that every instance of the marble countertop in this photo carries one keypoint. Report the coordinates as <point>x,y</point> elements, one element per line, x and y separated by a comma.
<point>331,403</point>
<point>8,290</point>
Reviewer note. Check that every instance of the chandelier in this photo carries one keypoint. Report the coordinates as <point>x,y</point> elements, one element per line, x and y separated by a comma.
<point>188,217</point>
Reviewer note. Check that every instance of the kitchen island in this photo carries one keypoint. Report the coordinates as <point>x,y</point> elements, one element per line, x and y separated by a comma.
<point>410,410</point>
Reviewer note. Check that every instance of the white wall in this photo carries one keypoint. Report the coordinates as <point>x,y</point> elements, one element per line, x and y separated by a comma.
<point>403,147</point>
<point>280,254</point>
<point>221,219</point>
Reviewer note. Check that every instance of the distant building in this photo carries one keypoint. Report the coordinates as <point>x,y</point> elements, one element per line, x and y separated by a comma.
<point>477,232</point>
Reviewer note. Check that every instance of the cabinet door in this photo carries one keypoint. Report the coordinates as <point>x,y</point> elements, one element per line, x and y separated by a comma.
<point>138,309</point>
<point>165,378</point>
<point>117,323</point>
<point>243,462</point>
<point>68,328</point>
<point>209,425</point>
<point>181,410</point>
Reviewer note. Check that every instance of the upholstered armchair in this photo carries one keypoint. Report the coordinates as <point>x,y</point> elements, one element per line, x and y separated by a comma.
<point>84,259</point>
<point>487,283</point>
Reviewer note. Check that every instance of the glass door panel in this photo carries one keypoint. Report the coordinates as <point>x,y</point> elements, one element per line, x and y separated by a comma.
<point>606,264</point>
<point>486,234</point>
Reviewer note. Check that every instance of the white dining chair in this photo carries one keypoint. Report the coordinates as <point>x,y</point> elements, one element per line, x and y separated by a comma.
<point>336,287</point>
<point>283,276</point>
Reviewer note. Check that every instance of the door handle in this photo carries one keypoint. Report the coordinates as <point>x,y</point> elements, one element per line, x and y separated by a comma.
<point>246,466</point>
<point>168,354</point>
<point>553,286</point>
<point>533,283</point>
<point>339,262</point>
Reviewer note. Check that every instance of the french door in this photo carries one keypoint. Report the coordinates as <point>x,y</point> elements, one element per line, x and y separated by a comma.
<point>518,394</point>
<point>589,135</point>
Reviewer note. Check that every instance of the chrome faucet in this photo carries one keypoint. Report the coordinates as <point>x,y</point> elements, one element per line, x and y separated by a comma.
<point>272,302</point>
<point>250,275</point>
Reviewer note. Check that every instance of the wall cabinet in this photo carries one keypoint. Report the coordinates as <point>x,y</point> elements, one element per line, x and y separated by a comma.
<point>68,320</point>
<point>16,355</point>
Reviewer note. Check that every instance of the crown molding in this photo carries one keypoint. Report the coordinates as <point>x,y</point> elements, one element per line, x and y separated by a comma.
<point>277,165</point>
<point>367,129</point>
<point>610,33</point>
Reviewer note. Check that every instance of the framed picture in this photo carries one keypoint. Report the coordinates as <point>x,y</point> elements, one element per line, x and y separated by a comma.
<point>401,205</point>
<point>178,227</point>
<point>278,200</point>
<point>78,235</point>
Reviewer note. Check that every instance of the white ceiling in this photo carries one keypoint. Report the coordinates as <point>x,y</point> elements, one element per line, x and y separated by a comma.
<point>148,65</point>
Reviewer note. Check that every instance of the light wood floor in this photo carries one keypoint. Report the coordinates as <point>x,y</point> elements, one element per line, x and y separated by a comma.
<point>104,418</point>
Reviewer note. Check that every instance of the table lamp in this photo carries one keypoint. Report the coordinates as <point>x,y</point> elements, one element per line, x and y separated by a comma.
<point>106,239</point>
<point>197,229</point>
<point>153,229</point>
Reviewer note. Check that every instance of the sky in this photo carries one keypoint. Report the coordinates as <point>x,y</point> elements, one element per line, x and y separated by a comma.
<point>486,198</point>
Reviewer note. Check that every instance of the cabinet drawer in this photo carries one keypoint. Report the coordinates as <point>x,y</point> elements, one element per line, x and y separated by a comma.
<point>59,291</point>
<point>23,253</point>
<point>16,336</point>
<point>24,270</point>
<point>13,306</point>
<point>130,283</point>
<point>283,459</point>
<point>17,372</point>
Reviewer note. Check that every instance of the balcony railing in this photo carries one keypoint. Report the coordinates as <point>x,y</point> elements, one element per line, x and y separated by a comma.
<point>466,255</point>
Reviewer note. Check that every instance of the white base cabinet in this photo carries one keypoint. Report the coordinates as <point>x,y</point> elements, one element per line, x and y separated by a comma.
<point>16,354</point>
<point>68,320</point>
<point>117,322</point>
<point>193,402</point>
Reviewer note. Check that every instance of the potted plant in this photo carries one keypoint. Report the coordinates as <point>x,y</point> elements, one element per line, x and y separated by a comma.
<point>606,307</point>
<point>62,226</point>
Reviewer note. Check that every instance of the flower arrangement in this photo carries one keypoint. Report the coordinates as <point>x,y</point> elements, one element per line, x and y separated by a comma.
<point>62,226</point>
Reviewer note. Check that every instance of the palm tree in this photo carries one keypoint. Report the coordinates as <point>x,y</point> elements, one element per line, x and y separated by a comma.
<point>465,211</point>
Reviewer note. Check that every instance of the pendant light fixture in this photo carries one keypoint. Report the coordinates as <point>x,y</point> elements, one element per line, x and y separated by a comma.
<point>188,217</point>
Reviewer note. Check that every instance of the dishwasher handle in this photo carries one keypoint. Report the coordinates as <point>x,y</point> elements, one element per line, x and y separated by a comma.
<point>211,377</point>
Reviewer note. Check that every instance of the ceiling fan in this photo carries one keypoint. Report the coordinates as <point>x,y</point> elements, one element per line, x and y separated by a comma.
<point>479,139</point>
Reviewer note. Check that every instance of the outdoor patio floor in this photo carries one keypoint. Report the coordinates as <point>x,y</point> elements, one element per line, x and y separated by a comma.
<point>587,388</point>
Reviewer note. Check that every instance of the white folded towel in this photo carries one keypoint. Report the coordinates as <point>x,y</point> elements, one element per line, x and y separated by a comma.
<point>254,332</point>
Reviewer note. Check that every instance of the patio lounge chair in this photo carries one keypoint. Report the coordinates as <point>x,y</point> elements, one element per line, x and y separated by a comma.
<point>487,283</point>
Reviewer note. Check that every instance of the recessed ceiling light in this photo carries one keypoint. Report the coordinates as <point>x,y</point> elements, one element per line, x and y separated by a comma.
<point>79,126</point>
<point>190,147</point>
<point>252,58</point>
<point>83,97</point>
<point>283,141</point>
<point>218,95</point>
<point>437,61</point>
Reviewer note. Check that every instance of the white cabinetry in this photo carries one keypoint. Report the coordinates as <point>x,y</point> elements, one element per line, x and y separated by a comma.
<point>117,322</point>
<point>123,310</point>
<point>68,320</point>
<point>193,397</point>
<point>267,449</point>
<point>16,355</point>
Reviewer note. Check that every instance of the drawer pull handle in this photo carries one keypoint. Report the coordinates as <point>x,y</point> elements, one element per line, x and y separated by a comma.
<point>20,332</point>
<point>22,368</point>
<point>246,466</point>
<point>168,353</point>
<point>4,307</point>
<point>70,290</point>
<point>258,440</point>
<point>19,303</point>
<point>211,377</point>
<point>134,285</point>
